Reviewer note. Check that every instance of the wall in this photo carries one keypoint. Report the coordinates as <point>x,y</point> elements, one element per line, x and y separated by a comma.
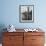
<point>10,13</point>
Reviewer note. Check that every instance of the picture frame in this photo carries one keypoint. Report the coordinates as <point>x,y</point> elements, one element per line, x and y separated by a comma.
<point>26,13</point>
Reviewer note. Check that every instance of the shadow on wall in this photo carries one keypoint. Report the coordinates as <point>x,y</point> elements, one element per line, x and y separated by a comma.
<point>2,26</point>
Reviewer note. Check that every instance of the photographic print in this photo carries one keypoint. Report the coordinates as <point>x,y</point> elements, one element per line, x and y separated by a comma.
<point>26,13</point>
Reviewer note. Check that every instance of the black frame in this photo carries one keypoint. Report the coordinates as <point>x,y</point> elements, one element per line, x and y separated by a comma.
<point>28,14</point>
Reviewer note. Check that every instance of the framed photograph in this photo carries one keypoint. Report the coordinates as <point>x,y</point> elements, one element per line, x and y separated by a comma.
<point>26,13</point>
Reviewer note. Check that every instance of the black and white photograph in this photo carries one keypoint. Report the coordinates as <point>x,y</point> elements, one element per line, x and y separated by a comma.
<point>26,13</point>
